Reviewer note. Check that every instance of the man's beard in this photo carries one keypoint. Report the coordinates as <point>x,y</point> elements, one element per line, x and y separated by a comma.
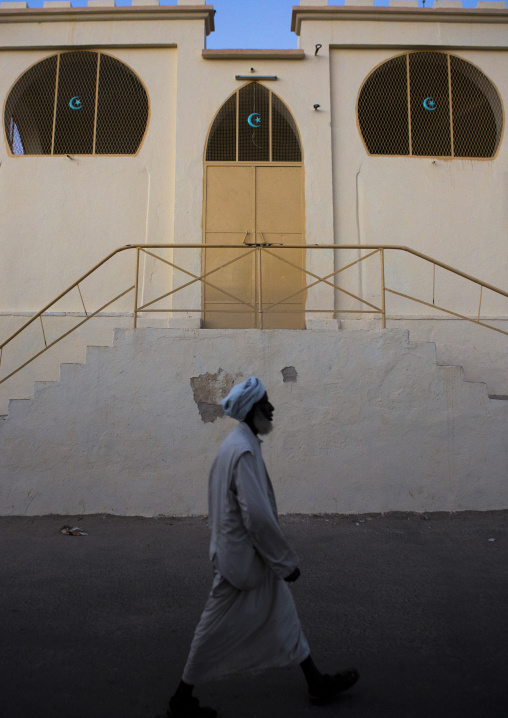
<point>263,425</point>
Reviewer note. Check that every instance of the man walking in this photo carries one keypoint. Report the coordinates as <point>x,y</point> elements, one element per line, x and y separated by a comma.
<point>250,620</point>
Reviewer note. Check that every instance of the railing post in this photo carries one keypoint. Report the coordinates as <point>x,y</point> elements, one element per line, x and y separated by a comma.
<point>260,288</point>
<point>383,292</point>
<point>136,290</point>
<point>257,259</point>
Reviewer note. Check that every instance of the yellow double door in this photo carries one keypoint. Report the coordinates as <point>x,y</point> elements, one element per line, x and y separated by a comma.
<point>254,288</point>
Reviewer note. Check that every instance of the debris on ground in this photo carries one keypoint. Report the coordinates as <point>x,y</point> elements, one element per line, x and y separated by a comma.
<point>76,531</point>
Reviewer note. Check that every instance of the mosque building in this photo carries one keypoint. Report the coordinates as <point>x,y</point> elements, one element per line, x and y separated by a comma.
<point>229,212</point>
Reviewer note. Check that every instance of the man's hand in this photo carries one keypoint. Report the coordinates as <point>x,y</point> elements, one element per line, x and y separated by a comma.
<point>293,576</point>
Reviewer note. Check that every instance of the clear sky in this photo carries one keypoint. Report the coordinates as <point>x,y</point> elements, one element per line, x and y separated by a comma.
<point>267,23</point>
<point>254,23</point>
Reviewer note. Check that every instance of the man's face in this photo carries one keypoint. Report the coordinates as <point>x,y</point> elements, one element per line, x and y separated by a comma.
<point>266,408</point>
<point>263,415</point>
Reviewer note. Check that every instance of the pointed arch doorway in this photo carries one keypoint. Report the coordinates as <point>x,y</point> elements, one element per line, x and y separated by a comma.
<point>253,194</point>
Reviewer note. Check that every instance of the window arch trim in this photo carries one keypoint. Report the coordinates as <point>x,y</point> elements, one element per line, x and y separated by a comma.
<point>58,55</point>
<point>250,162</point>
<point>500,121</point>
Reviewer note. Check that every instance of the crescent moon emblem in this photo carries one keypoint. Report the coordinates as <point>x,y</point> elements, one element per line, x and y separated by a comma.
<point>254,119</point>
<point>75,103</point>
<point>429,104</point>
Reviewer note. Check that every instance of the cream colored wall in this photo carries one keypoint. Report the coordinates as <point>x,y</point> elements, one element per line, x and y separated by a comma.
<point>359,190</point>
<point>453,210</point>
<point>370,424</point>
<point>72,212</point>
<point>60,216</point>
<point>456,211</point>
<point>185,93</point>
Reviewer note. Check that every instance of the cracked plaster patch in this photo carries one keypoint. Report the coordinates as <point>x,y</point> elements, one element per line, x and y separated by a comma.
<point>209,390</point>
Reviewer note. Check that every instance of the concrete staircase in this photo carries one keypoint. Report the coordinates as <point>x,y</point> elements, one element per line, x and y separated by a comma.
<point>480,353</point>
<point>365,421</point>
<point>46,368</point>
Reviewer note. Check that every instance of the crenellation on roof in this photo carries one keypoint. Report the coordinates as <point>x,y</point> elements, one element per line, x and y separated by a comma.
<point>445,11</point>
<point>323,5</point>
<point>447,4</point>
<point>140,10</point>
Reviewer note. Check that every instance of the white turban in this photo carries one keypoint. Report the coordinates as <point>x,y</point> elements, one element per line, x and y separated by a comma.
<point>242,398</point>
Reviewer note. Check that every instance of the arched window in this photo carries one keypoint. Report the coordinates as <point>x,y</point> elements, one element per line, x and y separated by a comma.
<point>83,103</point>
<point>253,125</point>
<point>430,104</point>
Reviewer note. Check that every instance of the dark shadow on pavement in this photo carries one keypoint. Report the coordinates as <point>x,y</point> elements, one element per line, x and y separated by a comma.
<point>99,626</point>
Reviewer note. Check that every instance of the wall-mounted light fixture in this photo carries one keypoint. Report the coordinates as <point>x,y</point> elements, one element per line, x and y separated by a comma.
<point>318,48</point>
<point>316,106</point>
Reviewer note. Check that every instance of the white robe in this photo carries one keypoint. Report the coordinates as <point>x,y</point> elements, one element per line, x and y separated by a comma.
<point>250,620</point>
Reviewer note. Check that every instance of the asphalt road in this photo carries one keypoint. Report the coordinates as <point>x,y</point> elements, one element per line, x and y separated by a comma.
<point>99,626</point>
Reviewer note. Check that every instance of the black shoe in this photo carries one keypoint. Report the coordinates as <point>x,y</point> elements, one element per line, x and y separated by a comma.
<point>331,686</point>
<point>189,709</point>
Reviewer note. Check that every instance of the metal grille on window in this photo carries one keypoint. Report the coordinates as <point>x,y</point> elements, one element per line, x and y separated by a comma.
<point>383,110</point>
<point>285,142</point>
<point>430,104</point>
<point>451,109</point>
<point>76,103</point>
<point>222,139</point>
<point>29,110</point>
<point>253,125</point>
<point>476,111</point>
<point>122,109</point>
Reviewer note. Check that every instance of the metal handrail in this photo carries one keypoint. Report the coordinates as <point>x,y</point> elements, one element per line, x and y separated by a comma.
<point>257,306</point>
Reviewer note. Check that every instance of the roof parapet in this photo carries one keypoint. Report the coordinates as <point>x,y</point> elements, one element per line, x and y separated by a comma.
<point>438,4</point>
<point>62,10</point>
<point>486,11</point>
